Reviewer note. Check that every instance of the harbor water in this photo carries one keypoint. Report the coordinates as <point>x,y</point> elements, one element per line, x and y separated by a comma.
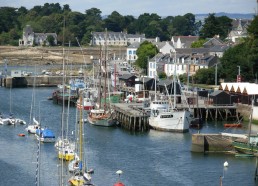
<point>150,158</point>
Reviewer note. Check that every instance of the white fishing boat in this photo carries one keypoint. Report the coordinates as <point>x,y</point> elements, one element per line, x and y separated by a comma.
<point>167,117</point>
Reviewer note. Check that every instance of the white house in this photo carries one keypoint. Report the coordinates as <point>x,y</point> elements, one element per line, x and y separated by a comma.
<point>131,52</point>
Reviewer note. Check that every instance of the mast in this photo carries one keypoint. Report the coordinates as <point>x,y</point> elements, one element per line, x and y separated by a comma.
<point>81,137</point>
<point>100,74</point>
<point>250,122</point>
<point>174,81</point>
<point>155,79</point>
<point>105,71</point>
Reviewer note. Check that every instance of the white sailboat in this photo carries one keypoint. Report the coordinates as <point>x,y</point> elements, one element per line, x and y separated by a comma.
<point>33,123</point>
<point>81,176</point>
<point>65,147</point>
<point>165,117</point>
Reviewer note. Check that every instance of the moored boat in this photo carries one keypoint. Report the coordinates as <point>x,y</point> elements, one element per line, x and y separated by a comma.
<point>100,117</point>
<point>45,135</point>
<point>249,145</point>
<point>233,125</point>
<point>33,127</point>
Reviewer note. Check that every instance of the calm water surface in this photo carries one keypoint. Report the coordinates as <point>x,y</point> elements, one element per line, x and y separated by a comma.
<point>147,159</point>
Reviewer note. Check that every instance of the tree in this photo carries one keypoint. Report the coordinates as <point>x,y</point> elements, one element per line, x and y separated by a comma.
<point>162,75</point>
<point>215,26</point>
<point>51,40</point>
<point>198,44</point>
<point>233,57</point>
<point>210,27</point>
<point>253,44</point>
<point>205,76</point>
<point>145,51</point>
<point>115,22</point>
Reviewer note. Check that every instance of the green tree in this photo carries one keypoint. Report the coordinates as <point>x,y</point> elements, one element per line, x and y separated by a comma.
<point>145,51</point>
<point>162,75</point>
<point>205,76</point>
<point>51,40</point>
<point>234,57</point>
<point>115,22</point>
<point>198,44</point>
<point>253,45</point>
<point>215,26</point>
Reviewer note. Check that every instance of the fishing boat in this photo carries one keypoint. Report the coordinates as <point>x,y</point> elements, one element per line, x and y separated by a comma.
<point>87,104</point>
<point>81,176</point>
<point>45,135</point>
<point>167,117</point>
<point>249,145</point>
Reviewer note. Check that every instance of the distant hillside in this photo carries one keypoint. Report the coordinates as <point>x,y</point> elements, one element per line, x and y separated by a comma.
<point>230,15</point>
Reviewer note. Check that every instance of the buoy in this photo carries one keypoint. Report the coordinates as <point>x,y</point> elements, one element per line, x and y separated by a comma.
<point>226,164</point>
<point>22,135</point>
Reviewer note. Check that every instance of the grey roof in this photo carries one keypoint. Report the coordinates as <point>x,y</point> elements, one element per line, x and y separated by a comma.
<point>187,40</point>
<point>145,79</point>
<point>134,45</point>
<point>239,24</point>
<point>217,92</point>
<point>219,48</point>
<point>135,35</point>
<point>192,50</point>
<point>126,76</point>
<point>164,82</point>
<point>213,41</point>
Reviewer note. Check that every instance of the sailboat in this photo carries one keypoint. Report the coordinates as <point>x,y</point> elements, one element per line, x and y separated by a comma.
<point>33,123</point>
<point>250,144</point>
<point>63,145</point>
<point>81,176</point>
<point>102,116</point>
<point>165,117</point>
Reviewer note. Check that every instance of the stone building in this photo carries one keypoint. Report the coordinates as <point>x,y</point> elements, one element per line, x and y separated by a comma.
<point>29,38</point>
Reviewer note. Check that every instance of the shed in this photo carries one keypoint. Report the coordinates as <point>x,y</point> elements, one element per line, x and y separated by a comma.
<point>168,84</point>
<point>127,79</point>
<point>220,97</point>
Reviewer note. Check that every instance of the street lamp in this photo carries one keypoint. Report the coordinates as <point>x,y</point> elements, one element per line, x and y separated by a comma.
<point>238,76</point>
<point>238,70</point>
<point>216,74</point>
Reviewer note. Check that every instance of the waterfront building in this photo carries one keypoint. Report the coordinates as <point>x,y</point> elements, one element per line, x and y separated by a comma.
<point>115,38</point>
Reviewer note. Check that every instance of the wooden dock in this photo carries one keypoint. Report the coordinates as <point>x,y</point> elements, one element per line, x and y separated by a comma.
<point>131,116</point>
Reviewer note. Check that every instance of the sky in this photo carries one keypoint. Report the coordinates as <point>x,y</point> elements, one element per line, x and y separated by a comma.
<point>138,7</point>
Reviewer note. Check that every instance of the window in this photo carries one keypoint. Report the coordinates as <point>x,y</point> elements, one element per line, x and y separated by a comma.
<point>150,65</point>
<point>150,73</point>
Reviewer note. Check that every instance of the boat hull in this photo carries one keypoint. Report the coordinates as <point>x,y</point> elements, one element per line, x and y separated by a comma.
<point>233,125</point>
<point>64,156</point>
<point>171,121</point>
<point>245,148</point>
<point>105,122</point>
